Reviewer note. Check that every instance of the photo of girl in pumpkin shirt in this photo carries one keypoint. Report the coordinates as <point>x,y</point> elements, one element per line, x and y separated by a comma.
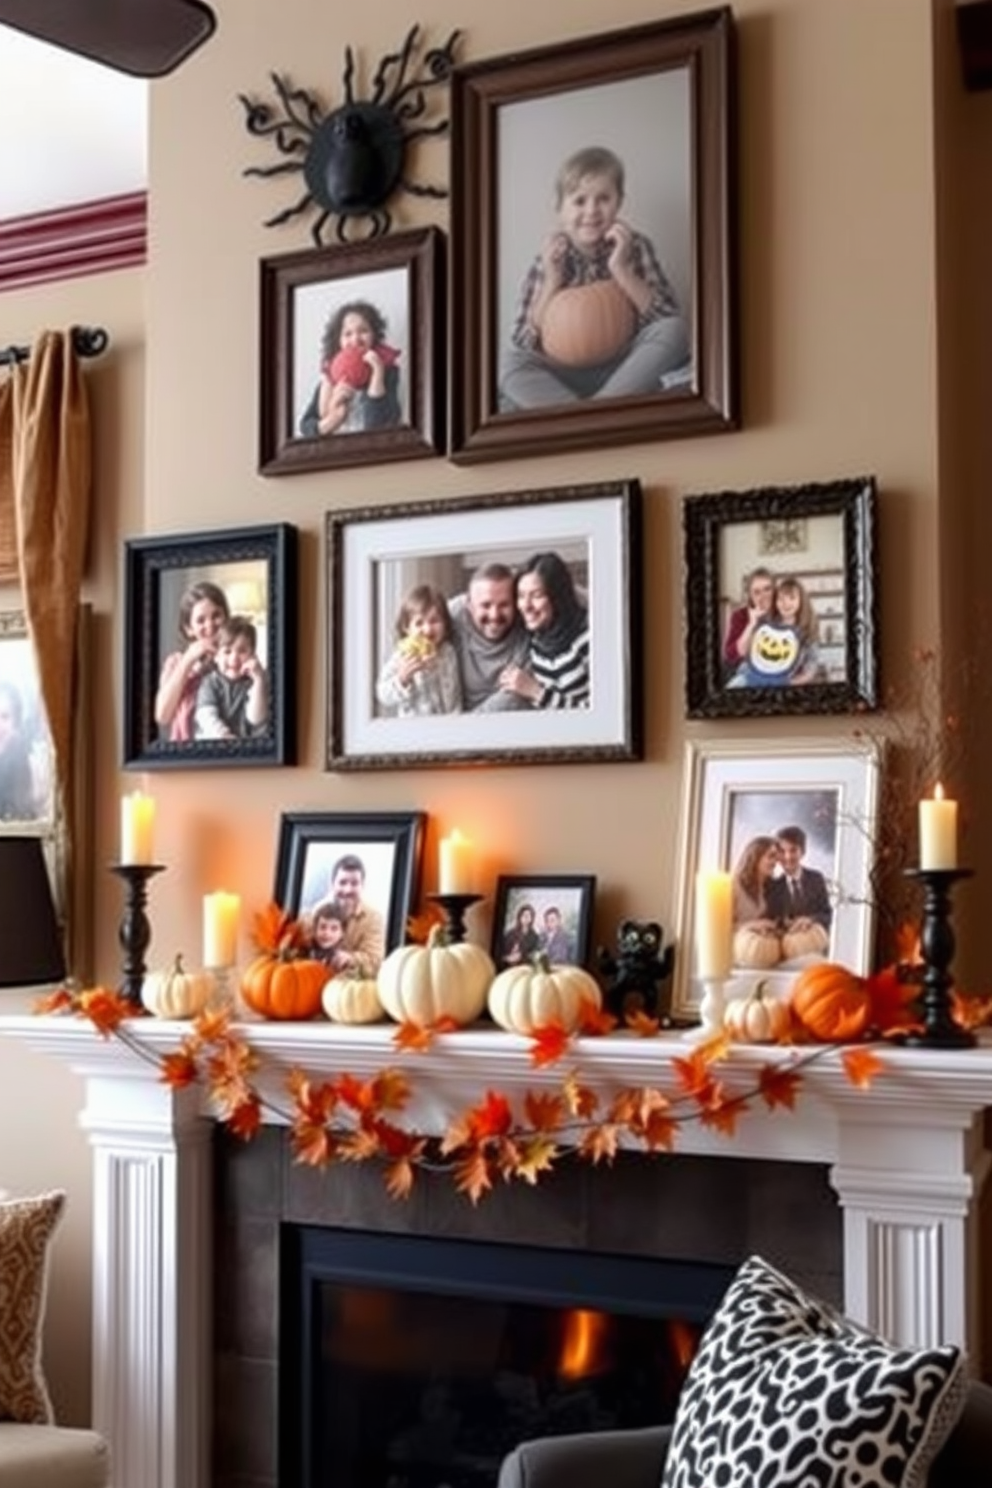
<point>359,388</point>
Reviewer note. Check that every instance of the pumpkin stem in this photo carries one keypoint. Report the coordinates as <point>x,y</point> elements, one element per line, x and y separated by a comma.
<point>438,935</point>
<point>540,962</point>
<point>177,965</point>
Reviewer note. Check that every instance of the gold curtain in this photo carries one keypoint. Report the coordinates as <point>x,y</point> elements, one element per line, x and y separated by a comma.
<point>45,479</point>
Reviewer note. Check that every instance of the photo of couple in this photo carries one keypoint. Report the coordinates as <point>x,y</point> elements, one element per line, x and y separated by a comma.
<point>783,903</point>
<point>507,633</point>
<point>542,916</point>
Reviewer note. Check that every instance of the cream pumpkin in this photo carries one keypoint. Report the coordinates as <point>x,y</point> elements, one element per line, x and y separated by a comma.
<point>757,1018</point>
<point>812,940</point>
<point>757,946</point>
<point>352,999</point>
<point>531,996</point>
<point>177,993</point>
<point>423,984</point>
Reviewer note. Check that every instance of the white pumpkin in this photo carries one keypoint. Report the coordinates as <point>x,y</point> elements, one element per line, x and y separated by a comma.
<point>757,945</point>
<point>424,983</point>
<point>759,1017</point>
<point>523,998</point>
<point>177,993</point>
<point>352,999</point>
<point>812,940</point>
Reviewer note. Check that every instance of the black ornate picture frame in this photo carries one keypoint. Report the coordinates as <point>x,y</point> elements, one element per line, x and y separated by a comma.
<point>178,589</point>
<point>781,603</point>
<point>652,109</point>
<point>326,403</point>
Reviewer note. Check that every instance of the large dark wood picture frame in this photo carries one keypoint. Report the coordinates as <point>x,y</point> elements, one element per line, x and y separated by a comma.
<point>660,98</point>
<point>818,542</point>
<point>399,283</point>
<point>250,572</point>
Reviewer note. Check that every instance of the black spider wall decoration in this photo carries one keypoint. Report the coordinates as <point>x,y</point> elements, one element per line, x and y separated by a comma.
<point>352,158</point>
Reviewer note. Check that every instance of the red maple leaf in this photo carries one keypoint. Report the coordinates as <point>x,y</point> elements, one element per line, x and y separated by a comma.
<point>413,1038</point>
<point>593,1019</point>
<point>779,1086</point>
<point>549,1043</point>
<point>893,1000</point>
<point>492,1118</point>
<point>178,1070</point>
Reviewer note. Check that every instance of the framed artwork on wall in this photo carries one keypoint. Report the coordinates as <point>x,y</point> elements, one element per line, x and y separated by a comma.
<point>353,879</point>
<point>593,252</point>
<point>351,358</point>
<point>795,824</point>
<point>550,914</point>
<point>781,600</point>
<point>503,628</point>
<point>210,638</point>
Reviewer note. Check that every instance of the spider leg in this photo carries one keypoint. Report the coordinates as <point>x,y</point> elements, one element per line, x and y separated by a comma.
<point>294,211</point>
<point>273,170</point>
<point>316,232</point>
<point>424,130</point>
<point>437,192</point>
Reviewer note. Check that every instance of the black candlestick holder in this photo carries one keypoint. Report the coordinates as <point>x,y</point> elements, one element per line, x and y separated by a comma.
<point>134,933</point>
<point>454,906</point>
<point>937,944</point>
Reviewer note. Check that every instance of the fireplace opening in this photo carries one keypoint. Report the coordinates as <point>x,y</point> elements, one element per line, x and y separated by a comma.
<point>412,1362</point>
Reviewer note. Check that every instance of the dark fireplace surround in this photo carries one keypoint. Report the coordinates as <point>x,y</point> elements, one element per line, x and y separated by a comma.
<point>684,1208</point>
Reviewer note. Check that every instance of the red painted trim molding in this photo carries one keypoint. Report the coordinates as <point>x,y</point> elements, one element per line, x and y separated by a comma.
<point>88,238</point>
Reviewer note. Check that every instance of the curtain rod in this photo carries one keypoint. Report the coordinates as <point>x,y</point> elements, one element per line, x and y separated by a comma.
<point>88,341</point>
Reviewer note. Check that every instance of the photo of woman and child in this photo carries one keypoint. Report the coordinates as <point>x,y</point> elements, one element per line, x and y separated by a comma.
<point>771,639</point>
<point>511,638</point>
<point>213,684</point>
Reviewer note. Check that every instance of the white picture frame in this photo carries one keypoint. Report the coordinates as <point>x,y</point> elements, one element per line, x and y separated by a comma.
<point>734,791</point>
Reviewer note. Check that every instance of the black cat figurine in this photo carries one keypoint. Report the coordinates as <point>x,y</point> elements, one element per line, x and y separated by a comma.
<point>636,969</point>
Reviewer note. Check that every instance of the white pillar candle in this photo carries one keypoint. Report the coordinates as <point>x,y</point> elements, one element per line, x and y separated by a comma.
<point>714,924</point>
<point>938,831</point>
<point>137,828</point>
<point>221,913</point>
<point>455,864</point>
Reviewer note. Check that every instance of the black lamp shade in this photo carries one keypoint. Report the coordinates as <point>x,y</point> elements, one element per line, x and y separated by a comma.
<point>30,940</point>
<point>147,38</point>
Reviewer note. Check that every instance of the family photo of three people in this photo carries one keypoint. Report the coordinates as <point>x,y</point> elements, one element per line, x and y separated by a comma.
<point>514,636</point>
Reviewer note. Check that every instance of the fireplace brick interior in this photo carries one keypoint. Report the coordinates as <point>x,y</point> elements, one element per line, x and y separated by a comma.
<point>672,1207</point>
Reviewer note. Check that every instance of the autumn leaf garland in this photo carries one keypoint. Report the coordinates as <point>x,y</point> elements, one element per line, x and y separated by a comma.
<point>348,1119</point>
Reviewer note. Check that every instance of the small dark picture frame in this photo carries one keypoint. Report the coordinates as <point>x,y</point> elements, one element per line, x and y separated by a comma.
<point>489,692</point>
<point>781,605</point>
<point>549,913</point>
<point>179,710</point>
<point>324,859</point>
<point>646,116</point>
<point>351,355</point>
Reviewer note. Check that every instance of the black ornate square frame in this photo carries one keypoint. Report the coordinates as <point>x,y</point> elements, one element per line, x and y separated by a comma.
<point>781,608</point>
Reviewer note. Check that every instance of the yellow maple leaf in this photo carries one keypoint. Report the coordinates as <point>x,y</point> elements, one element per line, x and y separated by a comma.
<point>861,1066</point>
<point>779,1086</point>
<point>398,1178</point>
<point>473,1175</point>
<point>600,1143</point>
<point>536,1155</point>
<point>580,1099</point>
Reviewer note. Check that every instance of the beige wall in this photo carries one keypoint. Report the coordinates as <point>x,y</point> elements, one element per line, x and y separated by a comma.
<point>839,266</point>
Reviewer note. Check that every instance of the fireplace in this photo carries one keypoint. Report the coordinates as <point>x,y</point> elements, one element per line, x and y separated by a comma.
<point>407,1361</point>
<point>903,1165</point>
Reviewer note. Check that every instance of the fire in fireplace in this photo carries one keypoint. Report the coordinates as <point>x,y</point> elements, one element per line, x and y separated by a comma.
<point>414,1362</point>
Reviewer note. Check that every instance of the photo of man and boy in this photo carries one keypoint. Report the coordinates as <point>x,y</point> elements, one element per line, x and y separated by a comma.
<point>345,903</point>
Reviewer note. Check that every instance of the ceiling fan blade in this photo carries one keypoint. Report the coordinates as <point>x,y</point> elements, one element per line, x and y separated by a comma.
<point>145,37</point>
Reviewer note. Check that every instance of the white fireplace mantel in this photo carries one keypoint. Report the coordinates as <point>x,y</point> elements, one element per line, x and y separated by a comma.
<point>907,1158</point>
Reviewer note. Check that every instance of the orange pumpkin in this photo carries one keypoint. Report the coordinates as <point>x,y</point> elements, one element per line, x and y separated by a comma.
<point>587,324</point>
<point>831,1002</point>
<point>284,987</point>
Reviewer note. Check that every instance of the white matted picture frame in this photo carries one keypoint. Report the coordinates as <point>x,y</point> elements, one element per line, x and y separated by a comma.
<point>754,808</point>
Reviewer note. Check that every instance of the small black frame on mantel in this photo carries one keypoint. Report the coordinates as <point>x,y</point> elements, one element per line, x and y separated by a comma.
<point>179,591</point>
<point>781,600</point>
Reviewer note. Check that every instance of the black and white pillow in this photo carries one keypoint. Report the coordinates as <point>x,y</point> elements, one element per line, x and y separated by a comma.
<point>786,1392</point>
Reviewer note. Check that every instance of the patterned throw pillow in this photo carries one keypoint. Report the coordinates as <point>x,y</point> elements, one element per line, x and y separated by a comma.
<point>785,1392</point>
<point>26,1227</point>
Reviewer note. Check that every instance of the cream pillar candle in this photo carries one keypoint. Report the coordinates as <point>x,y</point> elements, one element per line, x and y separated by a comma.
<point>221,914</point>
<point>938,831</point>
<point>714,924</point>
<point>455,864</point>
<point>137,828</point>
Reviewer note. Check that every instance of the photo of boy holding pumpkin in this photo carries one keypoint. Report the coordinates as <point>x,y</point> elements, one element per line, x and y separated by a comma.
<point>596,316</point>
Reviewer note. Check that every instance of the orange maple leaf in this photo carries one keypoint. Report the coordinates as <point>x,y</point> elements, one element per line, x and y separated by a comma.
<point>861,1066</point>
<point>315,1103</point>
<point>419,926</point>
<point>970,1011</point>
<point>413,1038</point>
<point>106,1010</point>
<point>492,1118</point>
<point>473,1175</point>
<point>274,930</point>
<point>779,1086</point>
<point>398,1178</point>
<point>695,1078</point>
<point>231,1060</point>
<point>580,1099</point>
<point>245,1118</point>
<point>549,1043</point>
<point>600,1143</point>
<point>213,1024</point>
<point>53,1002</point>
<point>642,1025</point>
<point>390,1090</point>
<point>544,1113</point>
<point>395,1142</point>
<point>458,1133</point>
<point>313,1145</point>
<point>721,1117</point>
<point>359,1145</point>
<point>893,1000</point>
<point>659,1131</point>
<point>179,1070</point>
<point>595,1020</point>
<point>447,1024</point>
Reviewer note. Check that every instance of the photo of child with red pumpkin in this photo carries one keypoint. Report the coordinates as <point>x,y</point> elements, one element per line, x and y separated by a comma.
<point>596,315</point>
<point>359,375</point>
